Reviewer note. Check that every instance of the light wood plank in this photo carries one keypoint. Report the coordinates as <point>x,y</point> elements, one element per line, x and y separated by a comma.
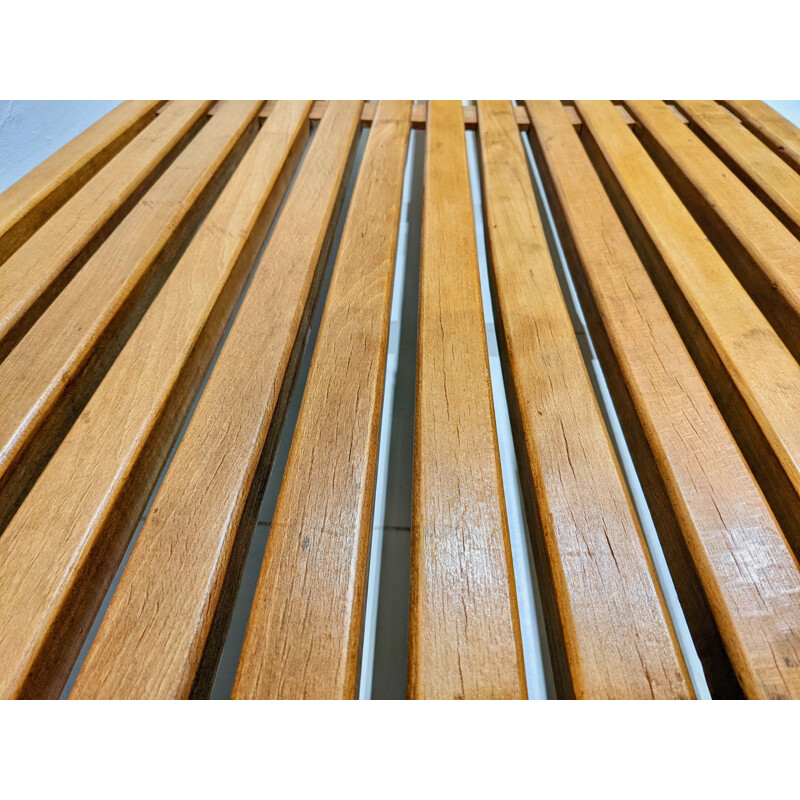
<point>53,370</point>
<point>773,181</point>
<point>697,481</point>
<point>164,629</point>
<point>464,638</point>
<point>771,127</point>
<point>763,254</point>
<point>25,206</point>
<point>62,547</point>
<point>752,376</point>
<point>32,277</point>
<point>608,628</point>
<point>303,636</point>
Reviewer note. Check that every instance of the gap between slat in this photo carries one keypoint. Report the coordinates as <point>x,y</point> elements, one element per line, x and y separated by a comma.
<point>231,652</point>
<point>538,667</point>
<point>614,427</point>
<point>404,299</point>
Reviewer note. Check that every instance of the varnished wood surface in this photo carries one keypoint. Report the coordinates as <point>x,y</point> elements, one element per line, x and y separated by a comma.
<point>608,628</point>
<point>63,545</point>
<point>694,474</point>
<point>38,270</point>
<point>303,636</point>
<point>762,252</point>
<point>752,376</point>
<point>26,205</point>
<point>464,638</point>
<point>774,182</point>
<point>164,628</point>
<point>771,127</point>
<point>53,370</point>
<point>123,257</point>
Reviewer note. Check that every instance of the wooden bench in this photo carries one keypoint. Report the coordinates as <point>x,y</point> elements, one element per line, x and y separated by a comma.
<point>172,236</point>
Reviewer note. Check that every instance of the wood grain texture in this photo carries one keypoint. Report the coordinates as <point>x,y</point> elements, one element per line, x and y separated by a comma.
<point>705,499</point>
<point>163,631</point>
<point>62,547</point>
<point>303,636</point>
<point>773,181</point>
<point>753,378</point>
<point>771,127</point>
<point>609,633</point>
<point>763,253</point>
<point>464,638</point>
<point>25,206</point>
<point>32,277</point>
<point>53,370</point>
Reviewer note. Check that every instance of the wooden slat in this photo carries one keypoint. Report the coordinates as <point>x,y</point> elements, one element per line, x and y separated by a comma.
<point>303,635</point>
<point>710,505</point>
<point>608,627</point>
<point>764,255</point>
<point>62,547</point>
<point>26,205</point>
<point>775,183</point>
<point>53,370</point>
<point>32,277</point>
<point>464,638</point>
<point>752,376</point>
<point>771,127</point>
<point>163,631</point>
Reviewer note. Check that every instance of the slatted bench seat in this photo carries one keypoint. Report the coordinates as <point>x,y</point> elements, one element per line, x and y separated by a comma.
<point>159,277</point>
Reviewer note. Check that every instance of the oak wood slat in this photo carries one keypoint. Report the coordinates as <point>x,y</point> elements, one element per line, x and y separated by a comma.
<point>164,629</point>
<point>32,277</point>
<point>771,127</point>
<point>608,628</point>
<point>464,637</point>
<point>762,252</point>
<point>773,181</point>
<point>52,371</point>
<point>26,205</point>
<point>61,549</point>
<point>302,638</point>
<point>705,498</point>
<point>753,378</point>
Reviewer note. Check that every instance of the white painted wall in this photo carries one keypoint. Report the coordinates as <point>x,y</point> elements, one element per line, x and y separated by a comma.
<point>32,130</point>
